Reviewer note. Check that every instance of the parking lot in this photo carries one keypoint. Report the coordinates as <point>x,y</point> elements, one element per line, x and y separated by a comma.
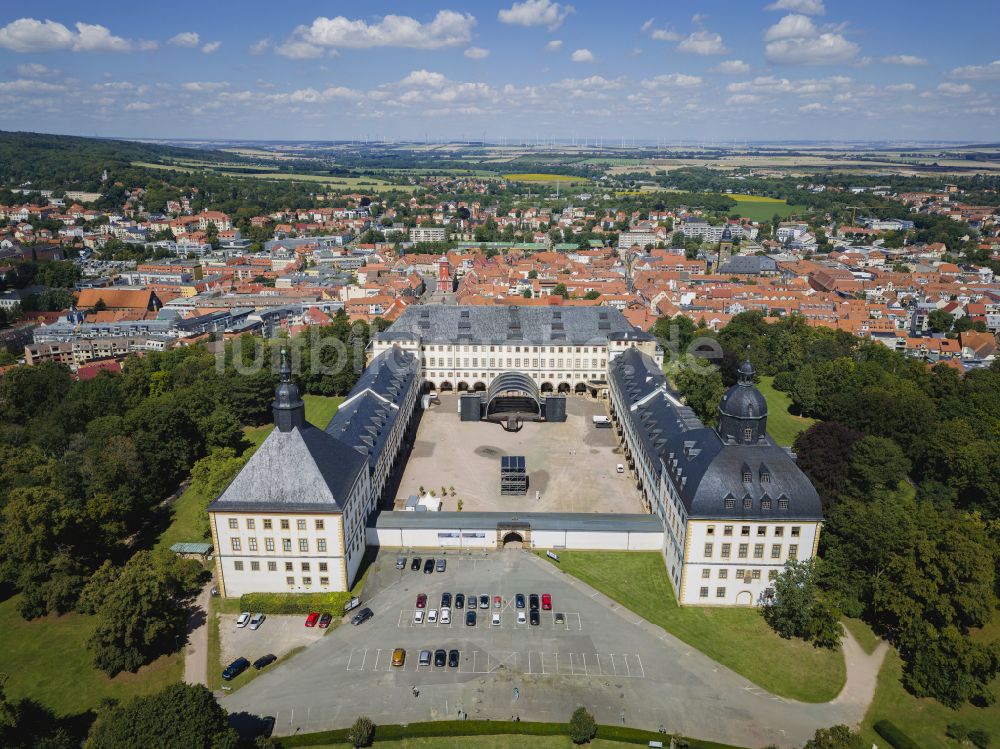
<point>600,655</point>
<point>278,635</point>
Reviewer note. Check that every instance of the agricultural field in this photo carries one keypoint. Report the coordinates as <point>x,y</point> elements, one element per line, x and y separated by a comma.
<point>350,183</point>
<point>563,179</point>
<point>760,208</point>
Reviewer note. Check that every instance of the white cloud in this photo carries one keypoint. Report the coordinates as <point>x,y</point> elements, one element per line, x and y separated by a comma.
<point>32,35</point>
<point>702,43</point>
<point>768,84</point>
<point>138,106</point>
<point>536,13</point>
<point>978,72</point>
<point>735,67</point>
<point>447,29</point>
<point>809,7</point>
<point>185,39</point>
<point>147,45</point>
<point>24,86</point>
<point>35,70</point>
<point>423,79</point>
<point>299,50</point>
<point>954,89</point>
<point>901,87</point>
<point>211,47</point>
<point>743,99</point>
<point>661,35</point>
<point>672,80</point>
<point>792,26</point>
<point>904,60</point>
<point>812,107</point>
<point>554,46</point>
<point>259,48</point>
<point>202,86</point>
<point>825,49</point>
<point>476,53</point>
<point>583,55</point>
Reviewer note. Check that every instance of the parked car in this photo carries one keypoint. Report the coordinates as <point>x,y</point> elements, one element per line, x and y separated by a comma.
<point>425,658</point>
<point>421,600</point>
<point>521,618</point>
<point>484,601</point>
<point>620,468</point>
<point>534,617</point>
<point>440,656</point>
<point>460,600</point>
<point>324,620</point>
<point>243,619</point>
<point>267,726</point>
<point>496,618</point>
<point>264,660</point>
<point>441,565</point>
<point>432,616</point>
<point>362,616</point>
<point>256,620</point>
<point>428,566</point>
<point>497,602</point>
<point>400,563</point>
<point>470,618</point>
<point>398,657</point>
<point>446,616</point>
<point>446,600</point>
<point>312,619</point>
<point>470,600</point>
<point>546,602</point>
<point>560,618</point>
<point>533,601</point>
<point>452,659</point>
<point>235,668</point>
<point>418,616</point>
<point>519,600</point>
<point>415,564</point>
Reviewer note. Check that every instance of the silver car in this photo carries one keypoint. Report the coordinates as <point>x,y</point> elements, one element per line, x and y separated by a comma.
<point>256,620</point>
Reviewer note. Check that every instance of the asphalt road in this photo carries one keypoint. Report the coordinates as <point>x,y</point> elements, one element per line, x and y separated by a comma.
<point>602,657</point>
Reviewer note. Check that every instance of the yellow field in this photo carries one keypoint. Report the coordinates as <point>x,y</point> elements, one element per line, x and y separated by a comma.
<point>561,178</point>
<point>754,199</point>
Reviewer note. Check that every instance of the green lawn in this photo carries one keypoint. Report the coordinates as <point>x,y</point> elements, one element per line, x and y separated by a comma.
<point>924,720</point>
<point>757,208</point>
<point>781,423</point>
<point>866,638</point>
<point>736,637</point>
<point>47,660</point>
<point>321,408</point>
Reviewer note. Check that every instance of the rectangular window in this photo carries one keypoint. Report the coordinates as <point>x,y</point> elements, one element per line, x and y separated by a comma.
<point>708,550</point>
<point>782,504</point>
<point>324,581</point>
<point>765,504</point>
<point>290,580</point>
<point>269,544</point>
<point>779,531</point>
<point>236,543</point>
<point>758,551</point>
<point>267,524</point>
<point>743,551</point>
<point>720,592</point>
<point>250,524</point>
<point>793,551</point>
<point>772,574</point>
<point>739,574</point>
<point>706,572</point>
<point>320,525</point>
<point>303,544</point>
<point>723,573</point>
<point>272,566</point>
<point>252,543</point>
<point>238,566</point>
<point>305,567</point>
<point>761,530</point>
<point>755,575</point>
<point>234,523</point>
<point>284,524</point>
<point>307,581</point>
<point>795,531</point>
<point>255,566</point>
<point>703,593</point>
<point>727,530</point>
<point>300,524</point>
<point>730,504</point>
<point>322,566</point>
<point>321,544</point>
<point>726,550</point>
<point>710,531</point>
<point>288,566</point>
<point>775,551</point>
<point>747,503</point>
<point>286,544</point>
<point>745,530</point>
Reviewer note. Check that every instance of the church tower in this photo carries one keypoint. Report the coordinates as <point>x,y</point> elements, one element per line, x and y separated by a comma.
<point>743,410</point>
<point>288,409</point>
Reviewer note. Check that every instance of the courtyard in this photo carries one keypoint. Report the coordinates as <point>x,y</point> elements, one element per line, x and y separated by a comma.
<point>571,465</point>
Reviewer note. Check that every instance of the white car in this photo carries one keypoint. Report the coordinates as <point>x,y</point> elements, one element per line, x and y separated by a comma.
<point>432,616</point>
<point>256,620</point>
<point>521,617</point>
<point>418,617</point>
<point>243,619</point>
<point>496,618</point>
<point>446,615</point>
<point>620,468</point>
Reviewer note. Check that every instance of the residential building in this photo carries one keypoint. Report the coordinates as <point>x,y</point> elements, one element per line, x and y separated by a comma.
<point>421,234</point>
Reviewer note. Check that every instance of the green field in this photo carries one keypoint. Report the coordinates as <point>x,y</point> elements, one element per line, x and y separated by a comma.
<point>924,720</point>
<point>563,179</point>
<point>738,638</point>
<point>371,184</point>
<point>759,208</point>
<point>782,424</point>
<point>47,660</point>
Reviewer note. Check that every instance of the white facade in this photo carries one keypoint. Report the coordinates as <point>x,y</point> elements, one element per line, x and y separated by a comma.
<point>421,234</point>
<point>709,233</point>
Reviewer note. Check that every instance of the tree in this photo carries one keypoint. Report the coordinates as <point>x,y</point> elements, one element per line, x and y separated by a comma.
<point>181,716</point>
<point>362,732</point>
<point>560,290</point>
<point>701,385</point>
<point>25,724</point>
<point>582,726</point>
<point>824,455</point>
<point>940,321</point>
<point>805,391</point>
<point>526,293</point>
<point>876,463</point>
<point>795,610</point>
<point>675,333</point>
<point>837,737</point>
<point>592,294</point>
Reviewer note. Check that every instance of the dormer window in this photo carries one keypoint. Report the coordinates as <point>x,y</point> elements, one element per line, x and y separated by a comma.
<point>765,475</point>
<point>748,434</point>
<point>782,503</point>
<point>747,503</point>
<point>747,476</point>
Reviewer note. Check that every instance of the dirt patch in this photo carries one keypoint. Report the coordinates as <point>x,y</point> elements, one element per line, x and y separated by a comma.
<point>486,451</point>
<point>422,449</point>
<point>539,480</point>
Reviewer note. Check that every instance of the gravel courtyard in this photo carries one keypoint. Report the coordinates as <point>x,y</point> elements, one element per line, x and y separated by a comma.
<point>571,464</point>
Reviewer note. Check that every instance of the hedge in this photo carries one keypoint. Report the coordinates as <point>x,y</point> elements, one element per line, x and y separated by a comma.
<point>294,603</point>
<point>888,731</point>
<point>443,728</point>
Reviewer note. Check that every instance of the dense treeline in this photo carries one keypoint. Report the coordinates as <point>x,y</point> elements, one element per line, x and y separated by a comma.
<point>904,460</point>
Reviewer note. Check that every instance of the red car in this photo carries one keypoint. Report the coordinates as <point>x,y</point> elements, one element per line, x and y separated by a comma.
<point>421,600</point>
<point>324,621</point>
<point>546,602</point>
<point>312,619</point>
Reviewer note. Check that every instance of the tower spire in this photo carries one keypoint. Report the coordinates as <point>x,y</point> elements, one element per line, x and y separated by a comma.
<point>288,409</point>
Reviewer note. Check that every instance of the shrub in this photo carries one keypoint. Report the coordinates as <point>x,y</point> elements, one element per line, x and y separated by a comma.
<point>888,731</point>
<point>957,731</point>
<point>582,726</point>
<point>362,733</point>
<point>294,603</point>
<point>979,737</point>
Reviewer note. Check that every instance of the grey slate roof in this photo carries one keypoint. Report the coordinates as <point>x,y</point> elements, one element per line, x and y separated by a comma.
<point>514,324</point>
<point>302,470</point>
<point>749,265</point>
<point>705,469</point>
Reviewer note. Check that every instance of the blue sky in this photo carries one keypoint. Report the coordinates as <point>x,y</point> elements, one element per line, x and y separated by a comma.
<point>718,70</point>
